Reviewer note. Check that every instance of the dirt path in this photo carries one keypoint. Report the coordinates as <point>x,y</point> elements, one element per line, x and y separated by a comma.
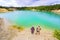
<point>26,35</point>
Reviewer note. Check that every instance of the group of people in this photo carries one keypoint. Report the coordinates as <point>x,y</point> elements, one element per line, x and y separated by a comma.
<point>38,29</point>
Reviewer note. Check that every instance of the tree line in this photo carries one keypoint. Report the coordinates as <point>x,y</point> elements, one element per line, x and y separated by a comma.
<point>38,8</point>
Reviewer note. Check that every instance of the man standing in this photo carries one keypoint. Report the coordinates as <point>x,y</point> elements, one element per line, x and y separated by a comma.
<point>38,30</point>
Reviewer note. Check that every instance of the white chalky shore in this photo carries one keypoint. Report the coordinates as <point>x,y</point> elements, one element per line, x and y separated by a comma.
<point>26,35</point>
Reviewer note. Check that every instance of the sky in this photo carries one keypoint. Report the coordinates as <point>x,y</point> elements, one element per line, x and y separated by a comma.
<point>22,3</point>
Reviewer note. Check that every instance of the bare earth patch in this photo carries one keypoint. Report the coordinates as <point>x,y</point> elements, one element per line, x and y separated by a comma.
<point>26,35</point>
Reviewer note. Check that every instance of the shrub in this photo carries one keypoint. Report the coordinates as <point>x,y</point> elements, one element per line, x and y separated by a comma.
<point>57,34</point>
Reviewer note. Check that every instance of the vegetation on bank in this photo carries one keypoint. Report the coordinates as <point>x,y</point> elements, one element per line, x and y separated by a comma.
<point>41,8</point>
<point>16,27</point>
<point>57,34</point>
<point>37,8</point>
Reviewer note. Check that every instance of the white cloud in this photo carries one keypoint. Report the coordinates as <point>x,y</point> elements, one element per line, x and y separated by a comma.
<point>8,3</point>
<point>45,2</point>
<point>20,3</point>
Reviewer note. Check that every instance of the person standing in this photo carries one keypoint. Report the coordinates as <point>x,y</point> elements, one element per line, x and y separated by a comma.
<point>32,30</point>
<point>38,29</point>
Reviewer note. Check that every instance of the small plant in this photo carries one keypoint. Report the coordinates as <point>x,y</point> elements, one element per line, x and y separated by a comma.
<point>20,28</point>
<point>57,34</point>
<point>16,27</point>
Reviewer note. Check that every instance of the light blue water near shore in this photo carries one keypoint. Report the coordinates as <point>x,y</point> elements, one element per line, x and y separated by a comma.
<point>31,18</point>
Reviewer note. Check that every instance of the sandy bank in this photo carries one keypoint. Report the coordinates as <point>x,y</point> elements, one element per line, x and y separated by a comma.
<point>5,33</point>
<point>3,10</point>
<point>11,34</point>
<point>56,11</point>
<point>26,35</point>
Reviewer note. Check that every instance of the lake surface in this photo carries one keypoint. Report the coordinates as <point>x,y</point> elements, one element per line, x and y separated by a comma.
<point>31,18</point>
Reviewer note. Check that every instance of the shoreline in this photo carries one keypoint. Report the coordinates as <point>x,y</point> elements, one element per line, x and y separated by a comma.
<point>56,11</point>
<point>3,10</point>
<point>26,35</point>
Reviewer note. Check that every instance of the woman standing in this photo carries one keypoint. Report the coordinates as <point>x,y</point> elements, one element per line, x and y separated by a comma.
<point>32,30</point>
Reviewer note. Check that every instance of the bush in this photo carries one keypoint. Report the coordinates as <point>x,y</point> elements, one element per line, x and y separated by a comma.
<point>18,27</point>
<point>57,34</point>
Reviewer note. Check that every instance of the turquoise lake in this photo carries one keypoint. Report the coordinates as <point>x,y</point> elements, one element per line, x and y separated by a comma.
<point>31,18</point>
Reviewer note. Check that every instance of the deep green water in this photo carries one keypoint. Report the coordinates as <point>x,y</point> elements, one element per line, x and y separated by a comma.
<point>31,18</point>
